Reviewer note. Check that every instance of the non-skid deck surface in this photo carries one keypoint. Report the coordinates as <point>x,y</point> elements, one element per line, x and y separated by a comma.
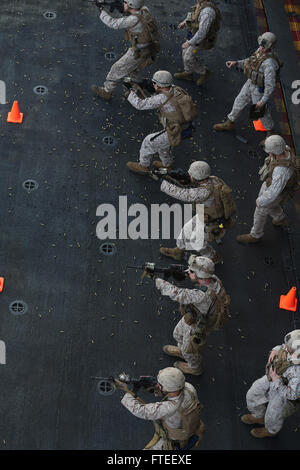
<point>87,314</point>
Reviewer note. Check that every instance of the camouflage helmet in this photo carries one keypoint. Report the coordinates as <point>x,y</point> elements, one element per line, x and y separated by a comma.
<point>203,267</point>
<point>292,339</point>
<point>199,170</point>
<point>171,379</point>
<point>162,78</point>
<point>275,144</point>
<point>136,4</point>
<point>267,40</point>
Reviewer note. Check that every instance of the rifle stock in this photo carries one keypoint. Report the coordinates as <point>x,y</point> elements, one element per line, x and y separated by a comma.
<point>112,6</point>
<point>144,87</point>
<point>177,271</point>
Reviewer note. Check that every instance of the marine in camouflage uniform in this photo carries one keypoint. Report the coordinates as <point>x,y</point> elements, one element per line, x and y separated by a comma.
<point>204,189</point>
<point>275,396</point>
<point>137,57</point>
<point>154,143</point>
<point>193,237</point>
<point>279,181</point>
<point>204,309</point>
<point>203,23</point>
<point>169,415</point>
<point>163,100</point>
<point>262,70</point>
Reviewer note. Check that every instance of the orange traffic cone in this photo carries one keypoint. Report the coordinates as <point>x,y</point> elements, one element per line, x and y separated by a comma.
<point>258,126</point>
<point>15,115</point>
<point>289,301</point>
<point>1,283</point>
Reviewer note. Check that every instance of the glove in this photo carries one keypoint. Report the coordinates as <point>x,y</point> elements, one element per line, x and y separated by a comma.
<point>181,176</point>
<point>134,87</point>
<point>147,85</point>
<point>149,273</point>
<point>123,386</point>
<point>158,173</point>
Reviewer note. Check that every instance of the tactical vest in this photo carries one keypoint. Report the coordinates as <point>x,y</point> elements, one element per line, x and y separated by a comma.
<point>216,210</point>
<point>253,63</point>
<point>216,316</point>
<point>185,112</point>
<point>218,313</point>
<point>193,25</point>
<point>223,206</point>
<point>185,109</point>
<point>149,35</point>
<point>292,185</point>
<point>191,421</point>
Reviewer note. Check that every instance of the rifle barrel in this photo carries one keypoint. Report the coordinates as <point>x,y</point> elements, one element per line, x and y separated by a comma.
<point>103,378</point>
<point>156,269</point>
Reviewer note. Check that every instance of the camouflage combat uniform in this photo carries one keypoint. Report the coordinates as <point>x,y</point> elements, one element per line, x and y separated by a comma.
<point>127,65</point>
<point>191,55</point>
<point>202,302</point>
<point>201,194</point>
<point>272,400</point>
<point>158,141</point>
<point>270,199</point>
<point>166,411</point>
<point>251,93</point>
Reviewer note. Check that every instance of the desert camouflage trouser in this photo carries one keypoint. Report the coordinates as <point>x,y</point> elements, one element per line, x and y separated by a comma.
<point>265,402</point>
<point>126,66</point>
<point>192,238</point>
<point>261,214</point>
<point>250,94</point>
<point>182,334</point>
<point>158,145</point>
<point>192,62</point>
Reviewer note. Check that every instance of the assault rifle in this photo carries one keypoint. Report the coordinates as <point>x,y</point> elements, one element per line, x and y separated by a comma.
<point>178,176</point>
<point>177,271</point>
<point>145,86</point>
<point>112,6</point>
<point>107,385</point>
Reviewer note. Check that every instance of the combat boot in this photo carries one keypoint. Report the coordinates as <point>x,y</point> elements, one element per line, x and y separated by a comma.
<point>138,168</point>
<point>260,433</point>
<point>156,164</point>
<point>250,419</point>
<point>281,223</point>
<point>100,91</point>
<point>174,253</point>
<point>186,369</point>
<point>247,238</point>
<point>225,126</point>
<point>172,350</point>
<point>203,78</point>
<point>184,75</point>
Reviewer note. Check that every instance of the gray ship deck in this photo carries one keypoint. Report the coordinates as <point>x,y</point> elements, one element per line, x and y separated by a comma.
<point>87,315</point>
